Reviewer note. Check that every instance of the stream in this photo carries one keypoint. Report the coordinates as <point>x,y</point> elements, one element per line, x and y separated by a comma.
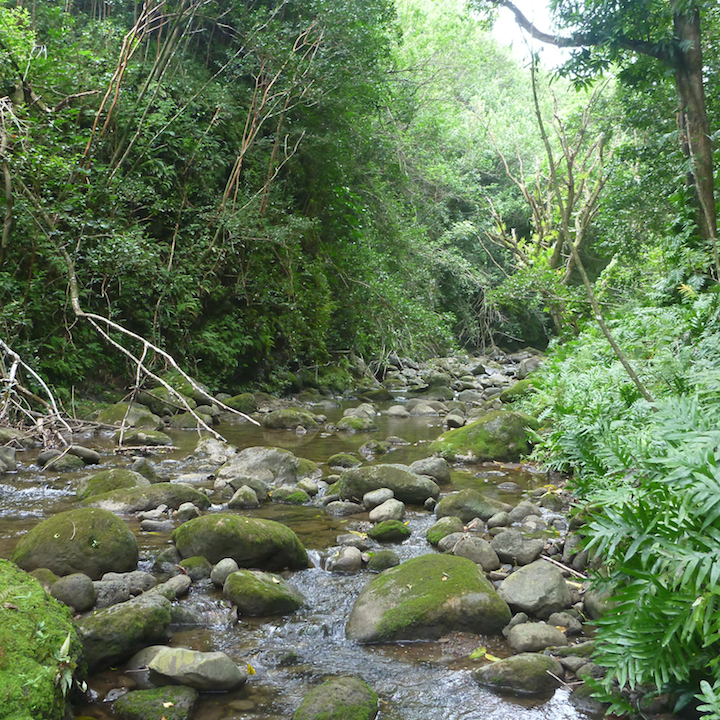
<point>291,655</point>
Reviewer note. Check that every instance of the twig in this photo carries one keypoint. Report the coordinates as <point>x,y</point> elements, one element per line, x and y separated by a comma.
<point>564,567</point>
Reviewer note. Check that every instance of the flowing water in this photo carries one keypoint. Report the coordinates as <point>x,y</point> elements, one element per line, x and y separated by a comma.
<point>290,655</point>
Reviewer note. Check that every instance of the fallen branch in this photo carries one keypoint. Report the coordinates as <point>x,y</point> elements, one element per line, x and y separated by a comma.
<point>564,567</point>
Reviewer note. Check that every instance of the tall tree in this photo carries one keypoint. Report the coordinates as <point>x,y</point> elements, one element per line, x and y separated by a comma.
<point>669,32</point>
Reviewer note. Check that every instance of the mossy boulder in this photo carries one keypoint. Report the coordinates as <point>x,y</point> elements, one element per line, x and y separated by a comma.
<point>405,484</point>
<point>133,414</point>
<point>345,698</point>
<point>33,630</point>
<point>109,480</point>
<point>148,497</point>
<point>517,390</point>
<point>87,540</point>
<point>389,531</point>
<point>308,469</point>
<point>468,504</point>
<point>269,464</point>
<point>424,599</point>
<point>382,560</point>
<point>290,419</point>
<point>173,702</point>
<point>259,593</point>
<point>443,527</point>
<point>524,674</point>
<point>356,424</point>
<point>289,494</point>
<point>137,436</point>
<point>162,401</point>
<point>64,463</point>
<point>188,421</point>
<point>11,435</point>
<point>244,403</point>
<point>196,568</point>
<point>113,634</point>
<point>499,435</point>
<point>344,460</point>
<point>249,541</point>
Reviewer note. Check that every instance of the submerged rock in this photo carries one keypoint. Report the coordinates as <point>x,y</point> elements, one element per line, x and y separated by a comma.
<point>424,599</point>
<point>524,674</point>
<point>259,593</point>
<point>344,698</point>
<point>206,671</point>
<point>171,702</point>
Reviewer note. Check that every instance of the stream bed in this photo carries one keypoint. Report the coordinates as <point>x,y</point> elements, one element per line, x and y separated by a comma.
<point>291,655</point>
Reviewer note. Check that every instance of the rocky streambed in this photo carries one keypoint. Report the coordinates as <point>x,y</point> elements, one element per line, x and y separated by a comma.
<point>330,561</point>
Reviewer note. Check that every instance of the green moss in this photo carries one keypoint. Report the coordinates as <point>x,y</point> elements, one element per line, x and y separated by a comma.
<point>187,421</point>
<point>339,699</point>
<point>356,424</point>
<point>147,497</point>
<point>443,527</point>
<point>172,703</point>
<point>517,390</point>
<point>33,628</point>
<point>290,495</point>
<point>343,460</point>
<point>177,382</point>
<point>389,531</point>
<point>109,480</point>
<point>133,415</point>
<point>244,403</point>
<point>308,469</point>
<point>290,419</point>
<point>499,435</point>
<point>259,593</point>
<point>382,560</point>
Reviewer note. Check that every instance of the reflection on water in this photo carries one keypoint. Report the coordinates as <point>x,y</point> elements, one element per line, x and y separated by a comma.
<point>415,681</point>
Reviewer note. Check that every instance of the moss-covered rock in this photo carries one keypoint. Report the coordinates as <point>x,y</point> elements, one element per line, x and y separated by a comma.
<point>308,469</point>
<point>259,593</point>
<point>424,599</point>
<point>290,419</point>
<point>64,463</point>
<point>170,702</point>
<point>344,698</point>
<point>389,531</point>
<point>244,403</point>
<point>136,436</point>
<point>196,568</point>
<point>148,497</point>
<point>133,414</point>
<point>344,460</point>
<point>249,541</point>
<point>356,424</point>
<point>382,560</point>
<point>499,435</point>
<point>524,674</point>
<point>109,480</point>
<point>517,390</point>
<point>161,401</point>
<point>33,630</point>
<point>188,421</point>
<point>443,527</point>
<point>289,494</point>
<point>86,540</point>
<point>11,435</point>
<point>468,504</point>
<point>406,485</point>
<point>115,633</point>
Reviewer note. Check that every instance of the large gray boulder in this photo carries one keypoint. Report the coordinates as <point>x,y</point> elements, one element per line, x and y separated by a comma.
<point>469,504</point>
<point>513,547</point>
<point>405,484</point>
<point>86,540</point>
<point>344,698</point>
<point>205,671</point>
<point>251,542</point>
<point>524,674</point>
<point>425,598</point>
<point>535,637</point>
<point>537,589</point>
<point>136,499</point>
<point>270,464</point>
<point>435,467</point>
<point>259,593</point>
<point>115,633</point>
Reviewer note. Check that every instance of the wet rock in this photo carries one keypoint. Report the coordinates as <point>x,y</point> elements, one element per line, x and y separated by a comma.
<point>64,462</point>
<point>129,500</point>
<point>405,484</point>
<point>391,509</point>
<point>114,588</point>
<point>572,625</point>
<point>353,540</point>
<point>216,451</point>
<point>269,464</point>
<point>500,519</point>
<point>356,424</point>
<point>87,540</point>
<point>189,421</point>
<point>344,460</point>
<point>377,497</point>
<point>346,559</point>
<point>479,551</point>
<point>573,663</point>
<point>454,420</point>
<point>342,508</point>
<point>167,560</point>
<point>389,531</point>
<point>423,409</point>
<point>290,419</point>
<point>344,698</point>
<point>529,365</point>
<point>498,435</point>
<point>16,437</point>
<point>76,591</point>
<point>132,415</point>
<point>196,568</point>
<point>8,462</point>
<point>186,511</point>
<point>244,498</point>
<point>382,560</point>
<point>109,480</point>
<point>398,411</point>
<point>535,637</point>
<point>469,504</point>
<point>443,527</point>
<point>157,526</point>
<point>436,467</point>
<point>513,547</point>
<point>290,495</point>
<point>524,674</point>
<point>523,510</point>
<point>115,633</point>
<point>249,541</point>
<point>308,486</point>
<point>538,589</point>
<point>244,403</point>
<point>222,570</point>
<point>582,698</point>
<point>206,671</point>
<point>170,702</point>
<point>424,599</point>
<point>374,447</point>
<point>259,593</point>
<point>173,588</point>
<point>150,438</point>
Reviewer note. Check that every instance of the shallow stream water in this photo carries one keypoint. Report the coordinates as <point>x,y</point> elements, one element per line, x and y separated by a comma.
<point>290,655</point>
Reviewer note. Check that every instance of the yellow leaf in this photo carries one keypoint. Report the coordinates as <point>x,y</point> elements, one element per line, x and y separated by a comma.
<point>251,670</point>
<point>491,658</point>
<point>168,704</point>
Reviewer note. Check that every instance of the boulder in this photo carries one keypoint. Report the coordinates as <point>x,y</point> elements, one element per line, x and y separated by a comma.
<point>354,424</point>
<point>109,480</point>
<point>249,541</point>
<point>524,674</point>
<point>537,589</point>
<point>205,671</point>
<point>259,593</point>
<point>377,497</point>
<point>244,498</point>
<point>162,401</point>
<point>33,635</point>
<point>214,450</point>
<point>517,390</point>
<point>222,570</point>
<point>290,419</point>
<point>346,559</point>
<point>436,467</point>
<point>115,633</point>
<point>170,702</point>
<point>469,504</point>
<point>345,698</point>
<point>76,591</point>
<point>290,495</point>
<point>151,438</point>
<point>343,460</point>
<point>522,510</point>
<point>197,568</point>
<point>189,421</point>
<point>398,411</point>
<point>341,508</point>
<point>405,484</point>
<point>148,497</point>
<point>389,531</point>
<point>64,462</point>
<point>498,435</point>
<point>535,637</point>
<point>269,464</point>
<point>86,540</point>
<point>391,509</point>
<point>133,415</point>
<point>424,599</point>
<point>443,527</point>
<point>479,551</point>
<point>8,461</point>
<point>513,547</point>
<point>383,560</point>
<point>15,437</point>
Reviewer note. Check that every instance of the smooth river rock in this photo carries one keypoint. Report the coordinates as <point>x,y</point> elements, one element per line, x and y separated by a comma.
<point>345,698</point>
<point>537,589</point>
<point>405,484</point>
<point>524,674</point>
<point>205,671</point>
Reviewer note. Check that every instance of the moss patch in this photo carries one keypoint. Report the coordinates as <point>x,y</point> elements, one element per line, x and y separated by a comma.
<point>443,527</point>
<point>344,460</point>
<point>244,403</point>
<point>389,531</point>
<point>339,699</point>
<point>517,390</point>
<point>289,495</point>
<point>109,480</point>
<point>172,703</point>
<point>33,628</point>
<point>290,419</point>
